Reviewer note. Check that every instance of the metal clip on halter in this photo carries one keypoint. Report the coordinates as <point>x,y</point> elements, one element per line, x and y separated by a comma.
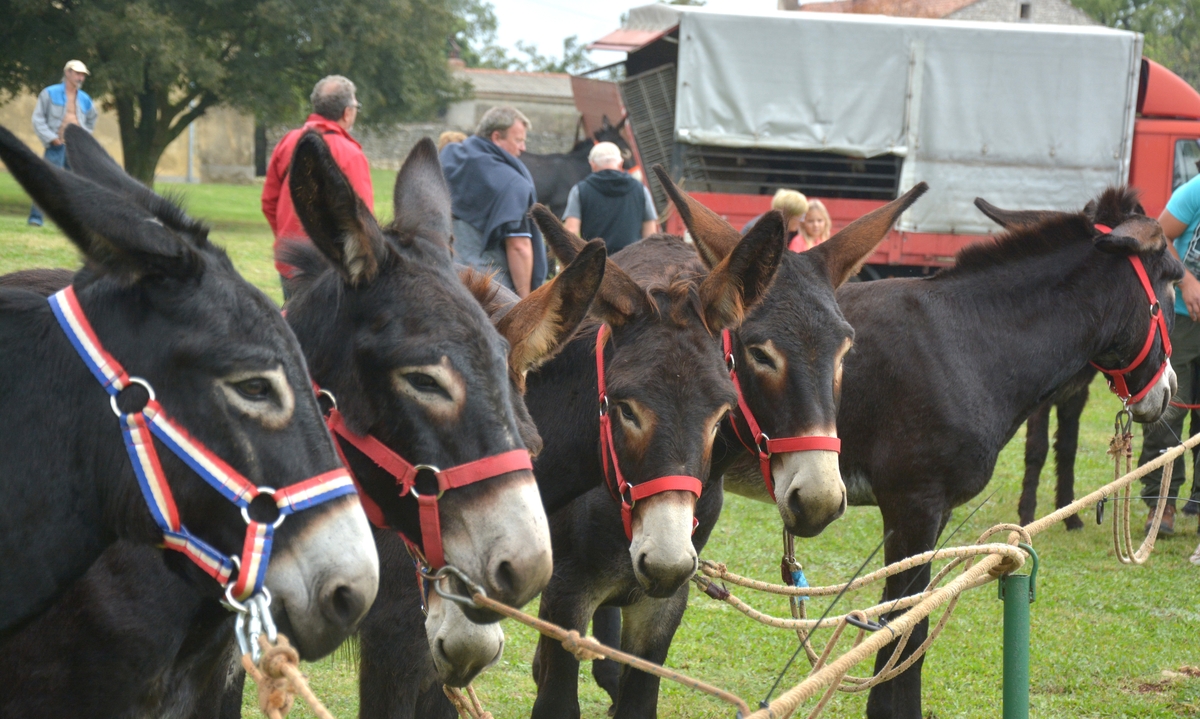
<point>446,572</point>
<point>252,618</point>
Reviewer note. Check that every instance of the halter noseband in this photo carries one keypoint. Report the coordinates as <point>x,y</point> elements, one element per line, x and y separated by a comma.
<point>762,445</point>
<point>629,494</point>
<point>1158,327</point>
<point>141,426</point>
<point>405,473</point>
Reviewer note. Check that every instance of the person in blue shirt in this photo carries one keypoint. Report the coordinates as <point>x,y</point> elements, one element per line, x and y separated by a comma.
<point>1181,224</point>
<point>57,107</point>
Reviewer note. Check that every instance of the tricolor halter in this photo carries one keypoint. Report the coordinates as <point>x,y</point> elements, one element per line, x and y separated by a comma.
<point>1158,327</point>
<point>405,473</point>
<point>762,445</point>
<point>141,426</point>
<point>629,494</point>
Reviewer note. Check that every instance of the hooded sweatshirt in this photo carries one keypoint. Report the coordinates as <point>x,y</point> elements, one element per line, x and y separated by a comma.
<point>611,206</point>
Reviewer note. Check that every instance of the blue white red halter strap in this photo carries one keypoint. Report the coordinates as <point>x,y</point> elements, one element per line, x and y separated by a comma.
<point>629,494</point>
<point>140,428</point>
<point>1158,327</point>
<point>762,445</point>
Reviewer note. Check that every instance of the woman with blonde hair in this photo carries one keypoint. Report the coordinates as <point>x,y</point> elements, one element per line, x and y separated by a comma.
<point>815,228</point>
<point>793,205</point>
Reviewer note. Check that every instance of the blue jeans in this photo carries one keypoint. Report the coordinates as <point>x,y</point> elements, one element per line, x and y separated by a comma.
<point>56,155</point>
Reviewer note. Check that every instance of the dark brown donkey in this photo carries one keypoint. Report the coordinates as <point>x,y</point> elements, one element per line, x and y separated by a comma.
<point>944,370</point>
<point>787,354</point>
<point>667,392</point>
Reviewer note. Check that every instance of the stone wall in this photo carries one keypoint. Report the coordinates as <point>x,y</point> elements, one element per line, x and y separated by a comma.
<point>1056,12</point>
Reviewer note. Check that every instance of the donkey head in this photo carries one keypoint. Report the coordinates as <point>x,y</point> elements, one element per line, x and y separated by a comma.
<point>390,330</point>
<point>609,132</point>
<point>536,328</point>
<point>788,353</point>
<point>1133,348</point>
<point>667,389</point>
<point>170,306</point>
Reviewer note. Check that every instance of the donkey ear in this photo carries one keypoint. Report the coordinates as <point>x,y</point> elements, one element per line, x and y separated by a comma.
<point>421,197</point>
<point>845,252</point>
<point>714,237</point>
<point>1136,235</point>
<point>605,123</point>
<point>539,325</point>
<point>87,158</point>
<point>111,231</point>
<point>739,282</point>
<point>1015,218</point>
<point>619,298</point>
<point>336,220</point>
<point>621,124</point>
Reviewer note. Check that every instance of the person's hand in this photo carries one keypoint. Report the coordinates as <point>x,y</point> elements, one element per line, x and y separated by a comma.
<point>1190,287</point>
<point>56,142</point>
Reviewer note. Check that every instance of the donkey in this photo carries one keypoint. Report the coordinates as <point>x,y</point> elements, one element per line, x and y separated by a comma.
<point>169,306</point>
<point>555,174</point>
<point>332,309</point>
<point>665,390</point>
<point>401,672</point>
<point>787,355</point>
<point>945,369</point>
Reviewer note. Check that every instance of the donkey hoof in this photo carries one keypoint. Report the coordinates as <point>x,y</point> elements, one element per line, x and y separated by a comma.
<point>1073,523</point>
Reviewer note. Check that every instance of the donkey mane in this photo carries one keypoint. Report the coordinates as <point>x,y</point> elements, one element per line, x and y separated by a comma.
<point>310,264</point>
<point>480,285</point>
<point>1112,207</point>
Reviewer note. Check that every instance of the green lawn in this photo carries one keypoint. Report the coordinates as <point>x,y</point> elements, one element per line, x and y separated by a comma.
<point>1102,633</point>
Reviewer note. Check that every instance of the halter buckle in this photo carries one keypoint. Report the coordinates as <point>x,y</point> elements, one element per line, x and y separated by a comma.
<point>417,469</point>
<point>112,398</point>
<point>246,509</point>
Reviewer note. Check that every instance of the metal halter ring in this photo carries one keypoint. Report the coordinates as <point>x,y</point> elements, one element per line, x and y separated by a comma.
<point>444,573</point>
<point>762,444</point>
<point>428,467</point>
<point>604,405</point>
<point>730,362</point>
<point>112,398</point>
<point>246,512</point>
<point>328,395</point>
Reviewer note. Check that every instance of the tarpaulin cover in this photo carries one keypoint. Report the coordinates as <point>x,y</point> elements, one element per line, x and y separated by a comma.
<point>1026,116</point>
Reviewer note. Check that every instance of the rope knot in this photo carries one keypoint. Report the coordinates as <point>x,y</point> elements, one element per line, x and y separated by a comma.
<point>579,646</point>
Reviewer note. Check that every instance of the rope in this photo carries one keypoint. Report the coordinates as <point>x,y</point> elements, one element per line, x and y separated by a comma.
<point>469,706</point>
<point>278,677</point>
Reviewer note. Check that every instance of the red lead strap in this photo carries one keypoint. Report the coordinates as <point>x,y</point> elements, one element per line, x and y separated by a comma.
<point>612,469</point>
<point>1158,326</point>
<point>763,445</point>
<point>406,473</point>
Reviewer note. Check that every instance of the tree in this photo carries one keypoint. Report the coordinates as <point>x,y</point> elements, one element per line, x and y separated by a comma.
<point>161,64</point>
<point>478,47</point>
<point>1171,29</point>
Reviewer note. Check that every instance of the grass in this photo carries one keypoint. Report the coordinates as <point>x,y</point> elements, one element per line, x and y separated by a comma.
<point>1102,634</point>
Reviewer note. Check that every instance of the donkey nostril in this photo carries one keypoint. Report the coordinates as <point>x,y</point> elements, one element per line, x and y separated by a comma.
<point>441,647</point>
<point>641,565</point>
<point>505,578</point>
<point>345,606</point>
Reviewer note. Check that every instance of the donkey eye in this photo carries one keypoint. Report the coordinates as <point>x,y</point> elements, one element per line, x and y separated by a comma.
<point>424,383</point>
<point>627,414</point>
<point>762,358</point>
<point>257,388</point>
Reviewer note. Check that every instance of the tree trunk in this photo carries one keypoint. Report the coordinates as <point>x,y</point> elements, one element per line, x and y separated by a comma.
<point>149,122</point>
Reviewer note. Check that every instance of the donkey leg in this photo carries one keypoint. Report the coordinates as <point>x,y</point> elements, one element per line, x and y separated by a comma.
<point>394,659</point>
<point>914,530</point>
<point>1066,444</point>
<point>648,627</point>
<point>565,602</point>
<point>1037,446</point>
<point>606,627</point>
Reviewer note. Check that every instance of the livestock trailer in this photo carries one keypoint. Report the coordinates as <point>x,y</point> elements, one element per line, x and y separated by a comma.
<point>856,109</point>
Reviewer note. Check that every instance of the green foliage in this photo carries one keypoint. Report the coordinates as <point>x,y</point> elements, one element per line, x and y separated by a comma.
<point>1171,28</point>
<point>162,63</point>
<point>477,45</point>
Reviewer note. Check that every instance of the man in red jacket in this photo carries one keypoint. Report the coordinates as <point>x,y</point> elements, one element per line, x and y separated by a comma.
<point>334,111</point>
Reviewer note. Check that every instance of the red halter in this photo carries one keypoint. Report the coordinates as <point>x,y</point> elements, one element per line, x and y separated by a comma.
<point>608,456</point>
<point>763,445</point>
<point>1158,327</point>
<point>406,473</point>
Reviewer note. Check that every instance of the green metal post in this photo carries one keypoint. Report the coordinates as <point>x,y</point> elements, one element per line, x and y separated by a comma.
<point>1017,591</point>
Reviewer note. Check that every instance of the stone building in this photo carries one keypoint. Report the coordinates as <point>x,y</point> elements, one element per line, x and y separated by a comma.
<point>221,142</point>
<point>1058,12</point>
<point>544,97</point>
